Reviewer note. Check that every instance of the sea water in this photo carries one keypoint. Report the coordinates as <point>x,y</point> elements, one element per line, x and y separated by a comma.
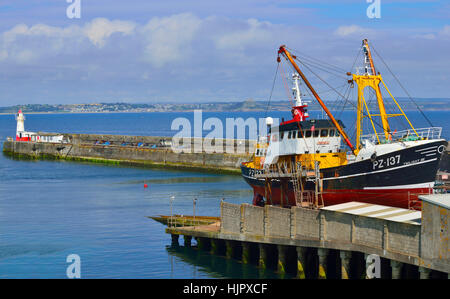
<point>51,209</point>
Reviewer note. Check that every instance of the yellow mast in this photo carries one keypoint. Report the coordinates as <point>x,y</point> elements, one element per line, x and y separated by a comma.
<point>371,79</point>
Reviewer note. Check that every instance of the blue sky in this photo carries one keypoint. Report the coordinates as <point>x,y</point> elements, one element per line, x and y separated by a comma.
<point>206,50</point>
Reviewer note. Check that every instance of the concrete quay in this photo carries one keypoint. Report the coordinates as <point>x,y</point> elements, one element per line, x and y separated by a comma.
<point>352,240</point>
<point>139,151</point>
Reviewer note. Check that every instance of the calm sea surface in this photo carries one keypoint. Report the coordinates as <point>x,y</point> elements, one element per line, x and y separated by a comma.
<point>49,209</point>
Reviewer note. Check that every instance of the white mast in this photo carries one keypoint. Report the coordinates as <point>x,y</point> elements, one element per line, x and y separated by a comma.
<point>296,90</point>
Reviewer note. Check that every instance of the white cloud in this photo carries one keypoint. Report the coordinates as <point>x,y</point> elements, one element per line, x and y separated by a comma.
<point>344,31</point>
<point>100,29</point>
<point>207,58</point>
<point>169,39</point>
<point>254,32</point>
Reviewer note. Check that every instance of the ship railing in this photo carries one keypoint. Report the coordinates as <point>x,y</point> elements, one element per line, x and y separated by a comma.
<point>285,169</point>
<point>406,135</point>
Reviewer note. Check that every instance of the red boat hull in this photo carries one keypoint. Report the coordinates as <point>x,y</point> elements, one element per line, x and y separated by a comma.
<point>401,198</point>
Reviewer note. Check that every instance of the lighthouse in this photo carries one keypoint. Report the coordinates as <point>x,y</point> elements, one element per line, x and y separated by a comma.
<point>20,118</point>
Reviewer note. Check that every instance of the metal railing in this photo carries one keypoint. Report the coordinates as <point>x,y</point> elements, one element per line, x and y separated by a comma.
<point>407,135</point>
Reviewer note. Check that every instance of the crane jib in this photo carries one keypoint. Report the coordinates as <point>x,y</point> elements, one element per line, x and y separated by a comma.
<point>288,56</point>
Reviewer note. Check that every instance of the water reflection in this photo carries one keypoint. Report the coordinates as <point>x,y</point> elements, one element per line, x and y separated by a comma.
<point>217,266</point>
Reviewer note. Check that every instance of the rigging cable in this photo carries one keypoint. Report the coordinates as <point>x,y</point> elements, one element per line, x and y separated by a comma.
<point>404,89</point>
<point>271,92</point>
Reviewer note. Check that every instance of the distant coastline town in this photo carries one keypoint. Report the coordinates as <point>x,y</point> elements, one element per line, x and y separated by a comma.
<point>425,104</point>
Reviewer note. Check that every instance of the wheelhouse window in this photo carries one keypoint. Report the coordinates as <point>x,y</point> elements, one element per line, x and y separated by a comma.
<point>294,133</point>
<point>331,133</point>
<point>323,133</point>
<point>289,134</point>
<point>308,134</point>
<point>316,133</point>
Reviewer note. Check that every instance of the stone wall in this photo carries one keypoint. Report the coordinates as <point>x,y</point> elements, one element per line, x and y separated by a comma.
<point>245,146</point>
<point>130,154</point>
<point>253,219</point>
<point>307,223</point>
<point>323,226</point>
<point>277,222</point>
<point>230,216</point>
<point>435,233</point>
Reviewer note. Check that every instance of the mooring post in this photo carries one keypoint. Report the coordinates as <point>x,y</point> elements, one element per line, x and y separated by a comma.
<point>396,269</point>
<point>345,263</point>
<point>322,253</point>
<point>229,248</point>
<point>245,252</point>
<point>215,246</point>
<point>301,262</point>
<point>263,255</point>
<point>175,239</point>
<point>424,273</point>
<point>282,255</point>
<point>187,240</point>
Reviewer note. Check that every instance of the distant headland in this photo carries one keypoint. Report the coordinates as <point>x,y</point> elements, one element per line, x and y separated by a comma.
<point>425,104</point>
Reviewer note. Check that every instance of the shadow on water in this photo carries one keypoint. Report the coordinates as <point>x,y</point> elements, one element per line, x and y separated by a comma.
<point>8,251</point>
<point>218,266</point>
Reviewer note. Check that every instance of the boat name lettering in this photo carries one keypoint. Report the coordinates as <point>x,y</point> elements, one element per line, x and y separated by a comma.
<point>414,161</point>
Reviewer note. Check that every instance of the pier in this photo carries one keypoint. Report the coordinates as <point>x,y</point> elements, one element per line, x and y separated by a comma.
<point>341,241</point>
<point>148,151</point>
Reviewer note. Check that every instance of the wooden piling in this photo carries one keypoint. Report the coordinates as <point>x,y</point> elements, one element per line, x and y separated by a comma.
<point>345,263</point>
<point>282,259</point>
<point>396,269</point>
<point>187,240</point>
<point>322,253</point>
<point>301,262</point>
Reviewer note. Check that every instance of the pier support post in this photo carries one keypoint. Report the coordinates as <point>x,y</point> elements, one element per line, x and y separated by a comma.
<point>187,241</point>
<point>215,246</point>
<point>396,269</point>
<point>322,253</point>
<point>263,255</point>
<point>282,252</point>
<point>230,248</point>
<point>245,252</point>
<point>345,263</point>
<point>301,262</point>
<point>424,273</point>
<point>203,243</point>
<point>175,239</point>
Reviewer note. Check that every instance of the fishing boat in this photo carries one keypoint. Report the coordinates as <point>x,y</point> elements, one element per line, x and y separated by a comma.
<point>313,163</point>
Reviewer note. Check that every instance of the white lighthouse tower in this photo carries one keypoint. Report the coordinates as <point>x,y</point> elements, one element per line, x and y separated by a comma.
<point>20,118</point>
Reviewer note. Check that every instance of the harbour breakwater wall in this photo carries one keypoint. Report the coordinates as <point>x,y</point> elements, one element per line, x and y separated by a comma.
<point>149,151</point>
